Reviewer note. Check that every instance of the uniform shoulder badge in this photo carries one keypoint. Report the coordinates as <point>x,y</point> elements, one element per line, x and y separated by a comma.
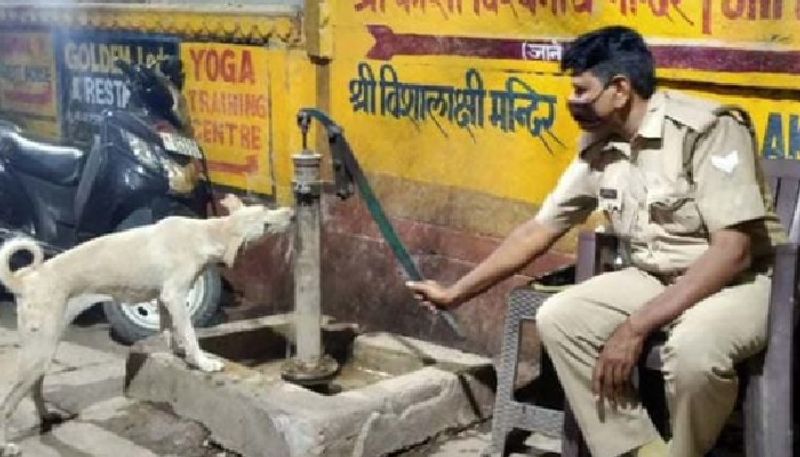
<point>726,163</point>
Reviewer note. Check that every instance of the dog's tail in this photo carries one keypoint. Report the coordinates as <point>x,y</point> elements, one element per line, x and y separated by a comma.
<point>12,280</point>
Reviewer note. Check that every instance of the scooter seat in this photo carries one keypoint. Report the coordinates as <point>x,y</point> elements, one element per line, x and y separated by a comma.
<point>57,164</point>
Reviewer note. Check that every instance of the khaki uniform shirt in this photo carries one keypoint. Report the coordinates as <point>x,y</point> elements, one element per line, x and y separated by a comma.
<point>665,208</point>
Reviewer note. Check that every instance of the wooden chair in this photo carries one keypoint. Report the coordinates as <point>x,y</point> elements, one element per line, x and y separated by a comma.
<point>769,378</point>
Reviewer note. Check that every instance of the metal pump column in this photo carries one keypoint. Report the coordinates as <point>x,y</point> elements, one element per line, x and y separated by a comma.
<point>310,366</point>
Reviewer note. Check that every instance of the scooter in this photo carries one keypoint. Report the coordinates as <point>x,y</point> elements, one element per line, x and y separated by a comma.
<point>141,167</point>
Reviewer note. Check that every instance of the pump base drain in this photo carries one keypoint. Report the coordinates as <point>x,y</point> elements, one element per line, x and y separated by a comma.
<point>298,372</point>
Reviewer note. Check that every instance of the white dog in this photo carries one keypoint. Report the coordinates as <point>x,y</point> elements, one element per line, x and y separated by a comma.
<point>158,261</point>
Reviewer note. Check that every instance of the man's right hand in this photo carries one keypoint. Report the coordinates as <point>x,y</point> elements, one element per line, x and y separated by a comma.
<point>523,245</point>
<point>433,295</point>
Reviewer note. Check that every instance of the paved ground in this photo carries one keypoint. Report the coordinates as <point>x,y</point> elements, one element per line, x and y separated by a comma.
<point>470,443</point>
<point>86,380</point>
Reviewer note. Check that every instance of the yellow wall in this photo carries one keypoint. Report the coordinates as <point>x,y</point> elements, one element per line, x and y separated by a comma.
<point>469,57</point>
<point>293,87</point>
<point>442,52</point>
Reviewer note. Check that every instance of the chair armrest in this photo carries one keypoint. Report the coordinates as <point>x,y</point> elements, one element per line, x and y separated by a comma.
<point>587,256</point>
<point>597,252</point>
<point>523,302</point>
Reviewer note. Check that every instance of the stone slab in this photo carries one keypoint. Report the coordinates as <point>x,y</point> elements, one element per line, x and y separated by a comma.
<point>257,417</point>
<point>106,410</point>
<point>8,337</point>
<point>95,441</point>
<point>469,444</point>
<point>79,356</point>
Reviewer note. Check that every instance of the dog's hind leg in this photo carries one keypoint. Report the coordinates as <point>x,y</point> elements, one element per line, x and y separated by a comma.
<point>174,299</point>
<point>36,352</point>
<point>48,417</point>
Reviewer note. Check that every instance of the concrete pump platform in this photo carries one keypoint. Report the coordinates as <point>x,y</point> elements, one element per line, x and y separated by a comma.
<point>390,393</point>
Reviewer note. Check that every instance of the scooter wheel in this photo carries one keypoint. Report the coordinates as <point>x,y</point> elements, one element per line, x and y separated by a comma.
<point>131,322</point>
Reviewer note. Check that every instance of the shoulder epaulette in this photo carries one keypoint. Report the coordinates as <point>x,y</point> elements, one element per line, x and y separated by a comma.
<point>736,112</point>
<point>695,113</point>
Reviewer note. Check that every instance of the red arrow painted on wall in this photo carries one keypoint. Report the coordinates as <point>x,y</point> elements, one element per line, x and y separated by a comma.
<point>250,166</point>
<point>389,44</point>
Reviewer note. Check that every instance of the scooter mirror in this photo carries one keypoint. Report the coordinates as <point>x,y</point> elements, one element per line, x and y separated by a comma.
<point>172,68</point>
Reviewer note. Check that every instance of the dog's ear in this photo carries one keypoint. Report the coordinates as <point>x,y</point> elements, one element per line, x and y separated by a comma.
<point>231,203</point>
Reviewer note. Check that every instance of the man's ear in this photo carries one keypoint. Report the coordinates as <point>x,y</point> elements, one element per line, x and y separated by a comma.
<point>231,203</point>
<point>623,91</point>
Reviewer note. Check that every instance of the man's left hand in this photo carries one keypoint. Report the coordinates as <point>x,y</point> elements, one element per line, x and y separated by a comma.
<point>612,373</point>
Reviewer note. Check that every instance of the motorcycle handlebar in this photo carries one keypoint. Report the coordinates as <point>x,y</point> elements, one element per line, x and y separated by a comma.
<point>124,66</point>
<point>139,76</point>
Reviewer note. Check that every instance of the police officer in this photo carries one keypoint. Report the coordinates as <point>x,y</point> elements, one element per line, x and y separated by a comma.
<point>678,179</point>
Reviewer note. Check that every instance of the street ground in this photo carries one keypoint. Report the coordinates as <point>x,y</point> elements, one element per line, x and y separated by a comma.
<point>86,381</point>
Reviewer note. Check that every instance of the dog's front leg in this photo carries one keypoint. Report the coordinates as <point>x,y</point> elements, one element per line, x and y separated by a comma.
<point>166,326</point>
<point>174,299</point>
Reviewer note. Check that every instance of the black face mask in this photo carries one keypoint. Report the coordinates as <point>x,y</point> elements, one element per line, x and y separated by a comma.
<point>584,113</point>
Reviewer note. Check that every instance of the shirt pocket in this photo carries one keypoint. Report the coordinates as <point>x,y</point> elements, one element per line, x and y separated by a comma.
<point>675,213</point>
<point>618,209</point>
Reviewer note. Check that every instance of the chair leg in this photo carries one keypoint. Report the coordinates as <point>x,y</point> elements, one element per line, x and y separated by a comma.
<point>506,375</point>
<point>497,447</point>
<point>572,444</point>
<point>769,396</point>
<point>500,426</point>
<point>768,416</point>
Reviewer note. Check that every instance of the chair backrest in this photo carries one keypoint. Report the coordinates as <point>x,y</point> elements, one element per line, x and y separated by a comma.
<point>783,177</point>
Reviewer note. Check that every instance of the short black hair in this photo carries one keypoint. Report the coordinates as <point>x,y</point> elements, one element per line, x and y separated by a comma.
<point>610,51</point>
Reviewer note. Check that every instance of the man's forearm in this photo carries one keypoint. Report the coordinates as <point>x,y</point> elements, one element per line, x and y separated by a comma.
<point>523,245</point>
<point>727,257</point>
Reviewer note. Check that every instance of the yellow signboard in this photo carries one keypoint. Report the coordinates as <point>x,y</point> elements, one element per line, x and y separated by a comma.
<point>469,127</point>
<point>745,42</point>
<point>467,93</point>
<point>28,81</point>
<point>737,21</point>
<point>227,93</point>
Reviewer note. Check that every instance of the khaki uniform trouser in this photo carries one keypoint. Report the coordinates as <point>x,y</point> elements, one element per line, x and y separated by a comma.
<point>703,346</point>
